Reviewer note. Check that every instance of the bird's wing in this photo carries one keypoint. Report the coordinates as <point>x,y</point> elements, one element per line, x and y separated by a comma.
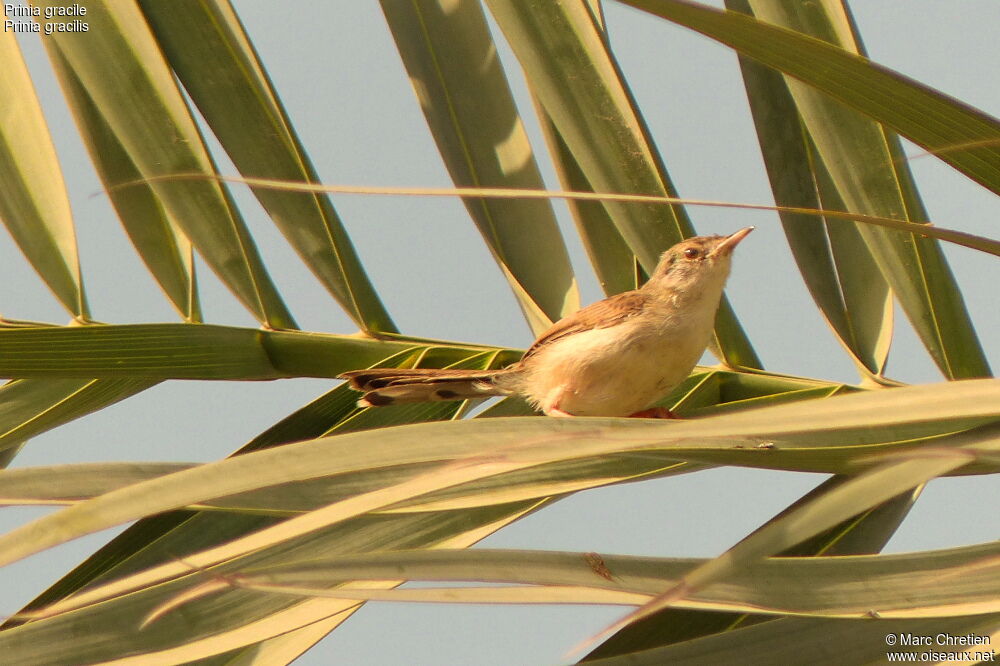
<point>603,314</point>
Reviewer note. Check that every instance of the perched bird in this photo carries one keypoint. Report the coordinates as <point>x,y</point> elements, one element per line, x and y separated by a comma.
<point>615,357</point>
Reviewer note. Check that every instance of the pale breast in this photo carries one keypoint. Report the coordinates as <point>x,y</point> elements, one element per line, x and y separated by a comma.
<point>615,371</point>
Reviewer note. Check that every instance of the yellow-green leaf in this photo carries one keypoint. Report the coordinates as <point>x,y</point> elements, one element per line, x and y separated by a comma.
<point>34,205</point>
<point>471,113</point>
<point>123,72</point>
<point>205,44</point>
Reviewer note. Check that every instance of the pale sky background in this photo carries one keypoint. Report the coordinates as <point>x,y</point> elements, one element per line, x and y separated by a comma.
<point>336,68</point>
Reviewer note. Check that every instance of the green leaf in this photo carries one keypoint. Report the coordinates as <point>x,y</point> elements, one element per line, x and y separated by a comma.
<point>208,49</point>
<point>960,135</point>
<point>864,166</point>
<point>575,79</point>
<point>157,237</point>
<point>165,537</point>
<point>184,351</point>
<point>65,484</point>
<point>837,504</point>
<point>614,262</point>
<point>837,266</point>
<point>847,425</point>
<point>866,533</point>
<point>132,549</point>
<point>471,113</point>
<point>151,351</point>
<point>119,65</point>
<point>34,205</point>
<point>609,254</point>
<point>505,443</point>
<point>245,619</point>
<point>942,583</point>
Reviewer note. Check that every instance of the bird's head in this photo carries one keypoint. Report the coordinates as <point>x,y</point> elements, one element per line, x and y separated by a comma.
<point>697,263</point>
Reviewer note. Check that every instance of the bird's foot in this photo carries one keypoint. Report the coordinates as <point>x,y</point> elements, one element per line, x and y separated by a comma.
<point>654,413</point>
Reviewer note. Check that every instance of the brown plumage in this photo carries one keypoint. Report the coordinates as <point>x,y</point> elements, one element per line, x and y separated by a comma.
<point>614,357</point>
<point>612,311</point>
<point>387,386</point>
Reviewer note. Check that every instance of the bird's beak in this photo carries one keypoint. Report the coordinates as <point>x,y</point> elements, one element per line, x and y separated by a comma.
<point>726,246</point>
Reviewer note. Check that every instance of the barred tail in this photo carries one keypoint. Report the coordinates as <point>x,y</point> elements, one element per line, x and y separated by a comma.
<point>393,386</point>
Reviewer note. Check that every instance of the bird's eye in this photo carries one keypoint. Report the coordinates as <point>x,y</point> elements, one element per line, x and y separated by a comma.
<point>691,253</point>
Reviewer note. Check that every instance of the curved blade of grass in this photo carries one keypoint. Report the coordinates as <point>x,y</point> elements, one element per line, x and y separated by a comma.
<point>337,406</point>
<point>483,448</point>
<point>29,407</point>
<point>234,482</point>
<point>175,532</point>
<point>851,497</point>
<point>284,647</point>
<point>509,594</point>
<point>565,57</point>
<point>110,631</point>
<point>474,121</point>
<point>584,595</point>
<point>164,538</point>
<point>34,206</point>
<point>208,49</point>
<point>761,401</point>
<point>540,483</point>
<point>842,413</point>
<point>964,137</point>
<point>120,67</point>
<point>836,265</point>
<point>941,583</point>
<point>862,160</point>
<point>157,237</point>
<point>867,323</point>
<point>866,533</point>
<point>126,599</point>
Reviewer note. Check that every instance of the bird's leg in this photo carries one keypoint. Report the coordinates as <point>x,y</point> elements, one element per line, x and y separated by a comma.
<point>550,406</point>
<point>654,413</point>
<point>555,411</point>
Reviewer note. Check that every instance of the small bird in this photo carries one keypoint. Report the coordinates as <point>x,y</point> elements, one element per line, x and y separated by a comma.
<point>615,357</point>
